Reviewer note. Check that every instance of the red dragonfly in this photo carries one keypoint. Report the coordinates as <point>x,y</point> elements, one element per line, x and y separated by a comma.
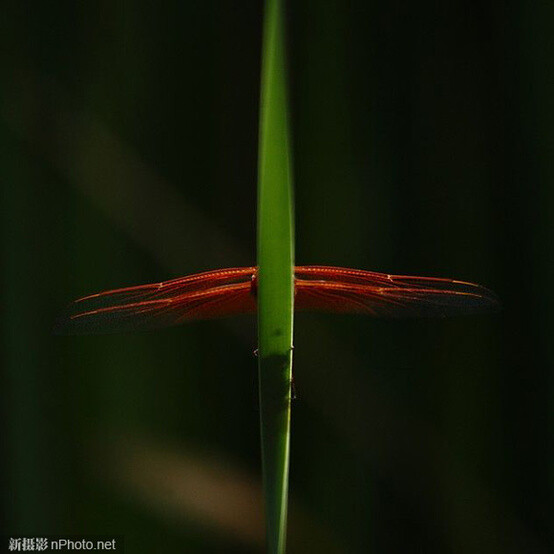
<point>227,292</point>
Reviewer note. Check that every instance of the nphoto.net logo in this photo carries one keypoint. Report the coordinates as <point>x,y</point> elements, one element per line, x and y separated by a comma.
<point>53,543</point>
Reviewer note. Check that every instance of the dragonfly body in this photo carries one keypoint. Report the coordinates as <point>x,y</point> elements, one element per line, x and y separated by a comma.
<point>233,291</point>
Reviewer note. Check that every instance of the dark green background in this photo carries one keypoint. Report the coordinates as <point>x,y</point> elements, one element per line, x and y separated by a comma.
<point>423,141</point>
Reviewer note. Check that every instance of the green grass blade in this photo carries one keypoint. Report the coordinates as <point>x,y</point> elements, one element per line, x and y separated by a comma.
<point>275,281</point>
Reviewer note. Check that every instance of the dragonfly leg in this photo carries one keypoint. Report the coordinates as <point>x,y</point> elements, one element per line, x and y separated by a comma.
<point>292,388</point>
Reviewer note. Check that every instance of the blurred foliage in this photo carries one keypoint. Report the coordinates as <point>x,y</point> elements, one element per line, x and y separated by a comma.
<point>422,136</point>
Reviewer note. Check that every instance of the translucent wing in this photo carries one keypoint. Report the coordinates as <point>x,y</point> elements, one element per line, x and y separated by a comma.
<point>228,292</point>
<point>342,290</point>
<point>201,296</point>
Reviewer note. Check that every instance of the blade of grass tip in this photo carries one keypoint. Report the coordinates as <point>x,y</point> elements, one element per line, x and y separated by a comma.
<point>275,276</point>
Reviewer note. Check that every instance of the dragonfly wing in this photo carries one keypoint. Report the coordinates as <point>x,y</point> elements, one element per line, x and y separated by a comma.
<point>230,292</point>
<point>342,290</point>
<point>201,296</point>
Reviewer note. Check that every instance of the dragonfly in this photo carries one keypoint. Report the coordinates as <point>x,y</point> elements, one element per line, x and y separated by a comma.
<point>233,291</point>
